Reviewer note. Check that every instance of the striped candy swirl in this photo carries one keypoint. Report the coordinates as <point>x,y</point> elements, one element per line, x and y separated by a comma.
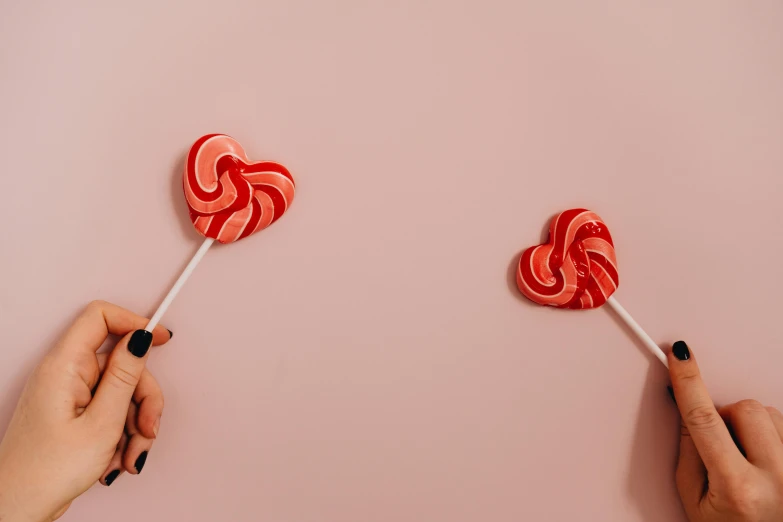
<point>577,268</point>
<point>230,197</point>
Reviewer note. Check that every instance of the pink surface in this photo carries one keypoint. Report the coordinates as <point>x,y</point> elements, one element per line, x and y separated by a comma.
<point>369,357</point>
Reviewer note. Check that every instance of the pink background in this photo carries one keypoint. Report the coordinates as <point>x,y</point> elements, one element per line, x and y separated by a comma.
<point>368,357</point>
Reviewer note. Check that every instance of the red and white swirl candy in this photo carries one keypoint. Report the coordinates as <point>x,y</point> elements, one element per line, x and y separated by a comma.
<point>229,196</point>
<point>577,268</point>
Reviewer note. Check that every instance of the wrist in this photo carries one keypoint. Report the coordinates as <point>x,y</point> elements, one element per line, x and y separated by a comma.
<point>13,509</point>
<point>15,504</point>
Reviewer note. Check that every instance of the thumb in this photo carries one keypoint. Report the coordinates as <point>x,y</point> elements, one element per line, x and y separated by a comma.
<point>123,370</point>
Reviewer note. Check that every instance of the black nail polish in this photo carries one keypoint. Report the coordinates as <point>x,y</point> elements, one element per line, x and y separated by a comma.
<point>680,351</point>
<point>671,394</point>
<point>171,334</point>
<point>111,477</point>
<point>140,342</point>
<point>140,461</point>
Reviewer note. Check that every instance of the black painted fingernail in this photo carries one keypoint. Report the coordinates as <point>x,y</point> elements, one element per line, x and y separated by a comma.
<point>680,351</point>
<point>671,394</point>
<point>171,334</point>
<point>140,342</point>
<point>140,461</point>
<point>111,477</point>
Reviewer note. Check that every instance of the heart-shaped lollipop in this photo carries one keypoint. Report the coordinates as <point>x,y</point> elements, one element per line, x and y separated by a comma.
<point>229,196</point>
<point>577,268</point>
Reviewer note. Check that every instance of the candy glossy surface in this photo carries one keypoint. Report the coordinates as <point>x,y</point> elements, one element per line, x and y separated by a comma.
<point>229,196</point>
<point>576,268</point>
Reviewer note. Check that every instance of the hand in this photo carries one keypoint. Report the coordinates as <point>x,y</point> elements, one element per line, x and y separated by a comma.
<point>731,459</point>
<point>62,437</point>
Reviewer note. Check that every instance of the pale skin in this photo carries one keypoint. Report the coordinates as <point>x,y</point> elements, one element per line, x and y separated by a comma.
<point>721,480</point>
<point>63,437</point>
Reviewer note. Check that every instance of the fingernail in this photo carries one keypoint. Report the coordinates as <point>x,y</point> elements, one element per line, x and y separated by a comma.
<point>671,394</point>
<point>156,427</point>
<point>140,462</point>
<point>680,351</point>
<point>111,477</point>
<point>171,334</point>
<point>140,342</point>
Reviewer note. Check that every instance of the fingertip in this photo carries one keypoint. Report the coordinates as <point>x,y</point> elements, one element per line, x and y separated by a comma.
<point>140,461</point>
<point>148,417</point>
<point>681,362</point>
<point>681,351</point>
<point>150,404</point>
<point>161,335</point>
<point>134,464</point>
<point>149,426</point>
<point>135,456</point>
<point>111,477</point>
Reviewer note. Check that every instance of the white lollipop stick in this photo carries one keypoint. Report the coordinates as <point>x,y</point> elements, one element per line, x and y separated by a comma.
<point>635,328</point>
<point>179,284</point>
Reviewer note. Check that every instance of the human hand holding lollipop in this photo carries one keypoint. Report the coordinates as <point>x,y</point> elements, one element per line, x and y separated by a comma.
<point>722,474</point>
<point>85,416</point>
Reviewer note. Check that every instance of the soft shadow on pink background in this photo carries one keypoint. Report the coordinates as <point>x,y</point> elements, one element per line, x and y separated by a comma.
<point>366,357</point>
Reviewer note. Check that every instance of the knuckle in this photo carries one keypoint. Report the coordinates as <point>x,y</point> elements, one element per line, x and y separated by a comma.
<point>774,411</point>
<point>121,376</point>
<point>750,406</point>
<point>745,498</point>
<point>702,417</point>
<point>96,304</point>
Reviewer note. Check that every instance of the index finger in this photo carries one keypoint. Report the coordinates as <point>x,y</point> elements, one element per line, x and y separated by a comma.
<point>699,416</point>
<point>97,321</point>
